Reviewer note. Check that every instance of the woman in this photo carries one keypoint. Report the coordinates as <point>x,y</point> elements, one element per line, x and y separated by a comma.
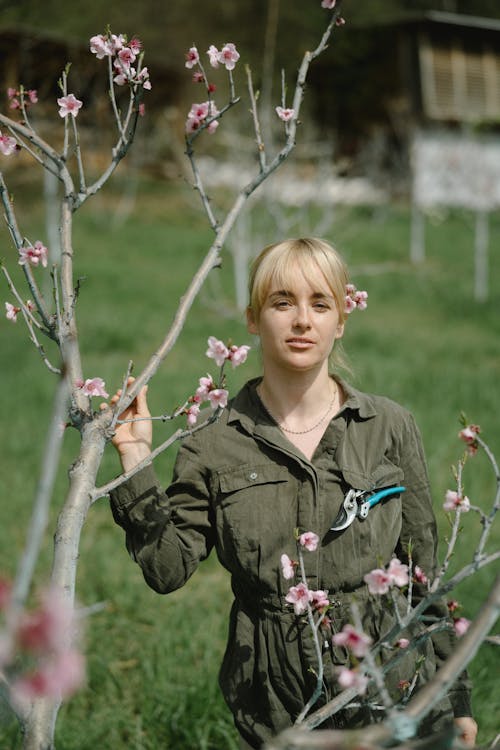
<point>282,456</point>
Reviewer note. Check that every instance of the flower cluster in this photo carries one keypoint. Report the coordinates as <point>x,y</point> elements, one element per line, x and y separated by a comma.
<point>301,596</point>
<point>20,98</point>
<point>355,299</point>
<point>125,54</point>
<point>380,580</point>
<point>33,255</point>
<point>358,643</point>
<point>228,56</point>
<point>454,501</point>
<point>469,435</point>
<point>40,640</point>
<point>199,114</point>
<point>207,389</point>
<point>92,387</point>
<point>8,145</point>
<point>221,353</point>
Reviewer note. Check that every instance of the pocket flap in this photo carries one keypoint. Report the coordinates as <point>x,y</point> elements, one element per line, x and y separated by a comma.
<point>385,474</point>
<point>232,480</point>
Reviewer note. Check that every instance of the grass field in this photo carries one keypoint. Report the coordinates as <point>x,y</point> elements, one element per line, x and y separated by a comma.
<point>153,662</point>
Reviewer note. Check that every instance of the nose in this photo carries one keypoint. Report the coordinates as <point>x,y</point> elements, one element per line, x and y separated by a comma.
<point>301,319</point>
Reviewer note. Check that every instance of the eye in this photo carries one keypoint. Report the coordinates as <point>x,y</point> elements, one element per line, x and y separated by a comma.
<point>282,304</point>
<point>321,306</point>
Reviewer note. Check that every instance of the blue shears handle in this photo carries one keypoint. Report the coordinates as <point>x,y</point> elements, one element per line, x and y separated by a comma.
<point>374,499</point>
<point>357,505</point>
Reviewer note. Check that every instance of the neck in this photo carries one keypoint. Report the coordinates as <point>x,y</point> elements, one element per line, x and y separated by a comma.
<point>300,394</point>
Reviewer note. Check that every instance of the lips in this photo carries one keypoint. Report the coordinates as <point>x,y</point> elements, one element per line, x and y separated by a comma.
<point>298,341</point>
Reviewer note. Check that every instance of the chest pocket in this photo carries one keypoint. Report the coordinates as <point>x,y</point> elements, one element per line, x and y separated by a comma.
<point>250,501</point>
<point>384,474</point>
<point>378,534</point>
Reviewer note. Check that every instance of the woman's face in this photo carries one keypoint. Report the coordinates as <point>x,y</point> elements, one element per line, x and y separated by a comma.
<point>297,325</point>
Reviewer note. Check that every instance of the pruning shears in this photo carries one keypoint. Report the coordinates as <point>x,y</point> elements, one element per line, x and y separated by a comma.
<point>357,504</point>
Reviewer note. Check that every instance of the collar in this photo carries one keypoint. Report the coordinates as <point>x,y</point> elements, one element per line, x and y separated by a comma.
<point>246,407</point>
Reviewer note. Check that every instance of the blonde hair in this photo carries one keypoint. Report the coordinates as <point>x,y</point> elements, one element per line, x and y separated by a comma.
<point>278,263</point>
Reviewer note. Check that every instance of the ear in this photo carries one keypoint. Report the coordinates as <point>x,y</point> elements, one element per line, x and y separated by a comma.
<point>340,331</point>
<point>252,326</point>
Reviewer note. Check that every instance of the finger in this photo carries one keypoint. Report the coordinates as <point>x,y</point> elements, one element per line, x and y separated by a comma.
<point>142,403</point>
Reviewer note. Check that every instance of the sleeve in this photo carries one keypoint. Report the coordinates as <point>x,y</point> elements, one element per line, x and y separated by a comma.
<point>419,529</point>
<point>167,532</point>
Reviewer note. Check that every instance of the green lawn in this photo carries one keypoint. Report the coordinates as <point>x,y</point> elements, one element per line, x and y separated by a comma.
<point>152,661</point>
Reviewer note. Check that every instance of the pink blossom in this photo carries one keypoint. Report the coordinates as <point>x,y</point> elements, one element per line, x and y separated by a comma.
<point>217,351</point>
<point>299,596</point>
<point>378,580</point>
<point>212,126</point>
<point>320,599</point>
<point>93,387</point>
<point>461,625</point>
<point>135,45</point>
<point>60,676</point>
<point>419,575</point>
<point>7,144</point>
<point>285,114</point>
<point>192,58</point>
<point>69,105</point>
<point>287,567</point>
<point>360,300</point>
<point>218,398</point>
<point>142,109</point>
<point>454,501</point>
<point>452,605</point>
<point>351,678</point>
<point>117,41</point>
<point>193,124</point>
<point>205,385</point>
<point>238,354</point>
<point>340,21</point>
<point>358,642</point>
<point>198,76</point>
<point>100,46</point>
<point>403,643</point>
<point>127,56</point>
<point>32,96</point>
<point>469,436</point>
<point>309,540</point>
<point>398,572</point>
<point>330,4</point>
<point>143,77</point>
<point>213,56</point>
<point>48,627</point>
<point>350,305</point>
<point>192,414</point>
<point>33,254</point>
<point>11,312</point>
<point>229,56</point>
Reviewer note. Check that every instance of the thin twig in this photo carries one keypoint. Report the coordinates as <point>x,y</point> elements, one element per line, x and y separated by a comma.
<point>317,646</point>
<point>40,514</point>
<point>18,241</point>
<point>261,150</point>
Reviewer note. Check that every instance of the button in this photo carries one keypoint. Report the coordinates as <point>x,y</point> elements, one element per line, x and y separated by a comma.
<point>253,475</point>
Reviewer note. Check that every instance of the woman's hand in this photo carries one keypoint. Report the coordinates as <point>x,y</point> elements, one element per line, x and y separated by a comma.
<point>467,729</point>
<point>133,440</point>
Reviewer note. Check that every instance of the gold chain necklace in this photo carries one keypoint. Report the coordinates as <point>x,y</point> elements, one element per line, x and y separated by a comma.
<point>301,432</point>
